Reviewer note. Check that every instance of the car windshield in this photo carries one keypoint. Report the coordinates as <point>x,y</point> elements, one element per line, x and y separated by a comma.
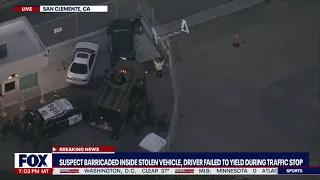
<point>86,50</point>
<point>82,55</point>
<point>79,68</point>
<point>122,41</point>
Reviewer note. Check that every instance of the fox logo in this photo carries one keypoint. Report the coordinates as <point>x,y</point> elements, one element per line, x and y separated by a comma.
<point>33,160</point>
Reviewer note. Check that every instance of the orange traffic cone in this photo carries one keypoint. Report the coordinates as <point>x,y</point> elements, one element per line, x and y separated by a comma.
<point>236,43</point>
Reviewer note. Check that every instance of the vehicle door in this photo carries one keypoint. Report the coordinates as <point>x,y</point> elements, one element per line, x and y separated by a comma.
<point>62,119</point>
<point>74,117</point>
<point>72,58</point>
<point>92,62</point>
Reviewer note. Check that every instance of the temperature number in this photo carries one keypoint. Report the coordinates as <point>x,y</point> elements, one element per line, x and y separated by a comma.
<point>164,171</point>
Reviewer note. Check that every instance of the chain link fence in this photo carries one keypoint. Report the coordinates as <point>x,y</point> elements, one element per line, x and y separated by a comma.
<point>163,45</point>
<point>74,25</point>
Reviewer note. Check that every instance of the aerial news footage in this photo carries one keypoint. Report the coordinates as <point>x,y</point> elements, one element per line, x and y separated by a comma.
<point>146,88</point>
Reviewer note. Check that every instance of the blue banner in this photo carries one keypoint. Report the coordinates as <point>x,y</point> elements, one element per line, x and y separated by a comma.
<point>181,159</point>
<point>302,170</point>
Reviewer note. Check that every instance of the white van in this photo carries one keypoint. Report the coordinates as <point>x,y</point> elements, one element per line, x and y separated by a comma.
<point>153,143</point>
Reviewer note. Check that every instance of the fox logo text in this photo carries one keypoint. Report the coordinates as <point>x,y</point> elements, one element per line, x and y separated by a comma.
<point>33,160</point>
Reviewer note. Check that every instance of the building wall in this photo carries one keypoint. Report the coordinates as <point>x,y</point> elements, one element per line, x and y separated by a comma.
<point>23,67</point>
<point>26,81</point>
<point>21,90</point>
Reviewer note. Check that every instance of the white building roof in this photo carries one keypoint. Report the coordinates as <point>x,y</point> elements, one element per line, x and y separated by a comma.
<point>153,143</point>
<point>26,52</point>
<point>21,40</point>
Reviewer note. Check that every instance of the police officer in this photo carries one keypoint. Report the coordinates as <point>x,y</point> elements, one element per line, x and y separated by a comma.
<point>116,130</point>
<point>142,118</point>
<point>5,130</point>
<point>162,123</point>
<point>159,67</point>
<point>145,103</point>
<point>36,144</point>
<point>137,126</point>
<point>46,146</point>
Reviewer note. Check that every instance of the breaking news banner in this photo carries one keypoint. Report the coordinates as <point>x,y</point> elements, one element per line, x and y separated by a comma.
<point>101,160</point>
<point>61,9</point>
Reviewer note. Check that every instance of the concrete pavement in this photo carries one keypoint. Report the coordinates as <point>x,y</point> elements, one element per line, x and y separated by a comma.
<point>258,97</point>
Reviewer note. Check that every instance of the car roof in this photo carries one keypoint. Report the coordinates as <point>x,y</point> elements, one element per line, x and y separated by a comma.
<point>81,60</point>
<point>122,43</point>
<point>59,105</point>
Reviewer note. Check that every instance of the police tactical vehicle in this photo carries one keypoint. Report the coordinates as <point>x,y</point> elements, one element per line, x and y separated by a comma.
<point>122,39</point>
<point>112,102</point>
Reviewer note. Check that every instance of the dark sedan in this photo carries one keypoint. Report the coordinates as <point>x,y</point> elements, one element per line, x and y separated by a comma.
<point>122,39</point>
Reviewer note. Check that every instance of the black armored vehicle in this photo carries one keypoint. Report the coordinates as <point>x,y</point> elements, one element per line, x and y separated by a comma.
<point>112,103</point>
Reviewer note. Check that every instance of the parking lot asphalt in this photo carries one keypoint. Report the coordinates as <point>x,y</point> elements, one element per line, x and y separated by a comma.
<point>258,97</point>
